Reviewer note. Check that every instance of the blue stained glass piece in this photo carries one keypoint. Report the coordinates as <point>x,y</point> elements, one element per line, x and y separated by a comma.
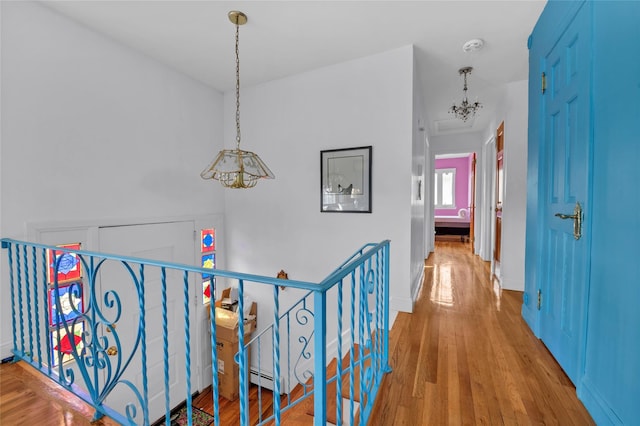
<point>207,241</point>
<point>67,263</point>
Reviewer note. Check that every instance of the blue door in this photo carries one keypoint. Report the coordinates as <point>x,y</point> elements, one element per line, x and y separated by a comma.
<point>564,166</point>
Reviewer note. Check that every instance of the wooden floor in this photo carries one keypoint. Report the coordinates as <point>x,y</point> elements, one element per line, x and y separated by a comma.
<point>27,397</point>
<point>465,356</point>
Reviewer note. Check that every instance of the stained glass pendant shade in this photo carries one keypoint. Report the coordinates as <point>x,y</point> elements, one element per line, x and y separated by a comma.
<point>235,168</point>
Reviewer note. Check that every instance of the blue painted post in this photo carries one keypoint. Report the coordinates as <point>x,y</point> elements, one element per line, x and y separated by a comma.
<point>46,310</point>
<point>187,343</point>
<point>276,355</point>
<point>361,337</point>
<point>91,273</point>
<point>339,369</point>
<point>13,297</point>
<point>214,353</point>
<point>352,351</point>
<point>143,342</point>
<point>20,306</point>
<point>165,347</point>
<point>288,357</point>
<point>386,366</point>
<point>244,386</point>
<point>259,342</point>
<point>377,350</point>
<point>34,258</point>
<point>320,361</point>
<point>27,285</point>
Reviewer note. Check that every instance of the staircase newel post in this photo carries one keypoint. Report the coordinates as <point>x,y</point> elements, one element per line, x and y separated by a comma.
<point>242,359</point>
<point>320,358</point>
<point>385,365</point>
<point>276,355</point>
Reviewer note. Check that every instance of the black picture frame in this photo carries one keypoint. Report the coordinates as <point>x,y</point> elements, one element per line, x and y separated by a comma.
<point>345,180</point>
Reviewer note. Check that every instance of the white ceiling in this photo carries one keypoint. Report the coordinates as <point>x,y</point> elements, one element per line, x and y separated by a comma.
<point>284,38</point>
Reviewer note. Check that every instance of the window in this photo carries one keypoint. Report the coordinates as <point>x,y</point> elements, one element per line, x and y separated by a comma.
<point>65,304</point>
<point>444,192</point>
<point>208,253</point>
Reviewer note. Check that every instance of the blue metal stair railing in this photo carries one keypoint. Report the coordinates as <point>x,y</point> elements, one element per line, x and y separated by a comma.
<point>99,361</point>
<point>363,282</point>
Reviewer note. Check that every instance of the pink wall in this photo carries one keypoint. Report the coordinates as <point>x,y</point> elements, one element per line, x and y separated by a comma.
<point>463,170</point>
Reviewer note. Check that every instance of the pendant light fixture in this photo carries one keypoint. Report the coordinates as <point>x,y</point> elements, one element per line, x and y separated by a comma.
<point>235,168</point>
<point>465,110</point>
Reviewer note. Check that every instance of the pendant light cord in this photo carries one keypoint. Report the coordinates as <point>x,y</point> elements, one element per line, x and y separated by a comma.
<point>237,85</point>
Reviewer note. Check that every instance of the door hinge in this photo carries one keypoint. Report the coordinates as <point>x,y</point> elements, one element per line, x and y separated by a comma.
<point>539,299</point>
<point>544,83</point>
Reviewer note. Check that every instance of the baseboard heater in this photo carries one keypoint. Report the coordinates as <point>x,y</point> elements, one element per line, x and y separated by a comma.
<point>266,380</point>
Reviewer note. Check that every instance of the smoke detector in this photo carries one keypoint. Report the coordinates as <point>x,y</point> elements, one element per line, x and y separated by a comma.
<point>473,45</point>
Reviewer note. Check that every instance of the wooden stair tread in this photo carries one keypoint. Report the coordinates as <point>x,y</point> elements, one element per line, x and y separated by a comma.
<point>332,394</point>
<point>302,414</point>
<point>346,378</point>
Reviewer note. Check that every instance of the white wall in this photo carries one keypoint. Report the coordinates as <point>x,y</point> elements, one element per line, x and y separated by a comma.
<point>513,111</point>
<point>92,130</point>
<point>278,224</point>
<point>418,170</point>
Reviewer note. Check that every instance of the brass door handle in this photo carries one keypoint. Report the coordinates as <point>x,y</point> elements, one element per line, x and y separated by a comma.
<point>567,216</point>
<point>577,220</point>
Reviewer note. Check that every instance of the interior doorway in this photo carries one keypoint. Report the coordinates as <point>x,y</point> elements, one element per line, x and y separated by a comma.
<point>454,193</point>
<point>499,198</point>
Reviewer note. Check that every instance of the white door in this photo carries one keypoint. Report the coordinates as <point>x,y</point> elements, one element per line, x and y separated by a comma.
<point>170,242</point>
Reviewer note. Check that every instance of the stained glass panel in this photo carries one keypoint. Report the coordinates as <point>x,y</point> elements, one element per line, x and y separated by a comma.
<point>206,291</point>
<point>71,303</point>
<point>64,343</point>
<point>208,261</point>
<point>208,240</point>
<point>68,265</point>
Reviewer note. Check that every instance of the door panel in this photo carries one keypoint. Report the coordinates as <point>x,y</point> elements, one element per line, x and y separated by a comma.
<point>499,196</point>
<point>170,242</point>
<point>472,204</point>
<point>566,141</point>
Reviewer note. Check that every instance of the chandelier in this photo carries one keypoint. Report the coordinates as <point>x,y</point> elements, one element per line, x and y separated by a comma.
<point>465,109</point>
<point>235,168</point>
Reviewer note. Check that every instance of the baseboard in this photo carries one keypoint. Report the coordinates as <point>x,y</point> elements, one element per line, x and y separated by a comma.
<point>401,304</point>
<point>5,350</point>
<point>417,285</point>
<point>596,405</point>
<point>508,284</point>
<point>265,380</point>
<point>530,317</point>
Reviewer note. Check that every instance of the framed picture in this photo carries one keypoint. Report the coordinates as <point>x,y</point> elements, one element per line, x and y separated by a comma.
<point>345,180</point>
